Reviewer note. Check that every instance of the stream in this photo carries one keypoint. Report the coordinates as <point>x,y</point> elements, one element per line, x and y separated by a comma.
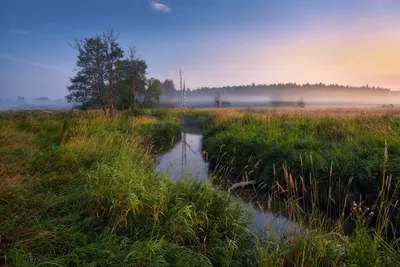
<point>183,158</point>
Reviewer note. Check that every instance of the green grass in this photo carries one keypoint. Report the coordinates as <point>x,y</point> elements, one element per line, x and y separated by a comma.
<point>318,162</point>
<point>332,150</point>
<point>80,190</point>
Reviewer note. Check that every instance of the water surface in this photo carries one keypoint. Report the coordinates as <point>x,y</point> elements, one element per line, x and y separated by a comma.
<point>183,158</point>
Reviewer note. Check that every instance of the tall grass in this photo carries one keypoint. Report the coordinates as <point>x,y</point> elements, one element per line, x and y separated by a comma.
<point>80,190</point>
<point>332,149</point>
<point>333,172</point>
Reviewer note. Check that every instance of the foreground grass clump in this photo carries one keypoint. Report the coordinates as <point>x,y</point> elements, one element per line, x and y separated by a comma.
<point>331,146</point>
<point>76,189</point>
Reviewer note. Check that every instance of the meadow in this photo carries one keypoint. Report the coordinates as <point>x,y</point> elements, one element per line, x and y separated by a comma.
<point>80,190</point>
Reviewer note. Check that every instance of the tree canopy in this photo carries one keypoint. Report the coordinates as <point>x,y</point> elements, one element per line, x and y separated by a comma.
<point>133,75</point>
<point>105,78</point>
<point>169,87</point>
<point>151,94</point>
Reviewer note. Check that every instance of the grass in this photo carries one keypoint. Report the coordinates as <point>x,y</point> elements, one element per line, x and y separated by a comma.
<point>79,190</point>
<point>331,146</point>
<point>333,168</point>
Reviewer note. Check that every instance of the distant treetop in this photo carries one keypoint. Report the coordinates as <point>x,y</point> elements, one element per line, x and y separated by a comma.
<point>42,99</point>
<point>294,87</point>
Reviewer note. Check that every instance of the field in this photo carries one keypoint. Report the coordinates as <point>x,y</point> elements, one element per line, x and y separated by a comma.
<point>80,190</point>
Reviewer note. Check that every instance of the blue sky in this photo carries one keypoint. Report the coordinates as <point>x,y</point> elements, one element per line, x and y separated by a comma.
<point>215,42</point>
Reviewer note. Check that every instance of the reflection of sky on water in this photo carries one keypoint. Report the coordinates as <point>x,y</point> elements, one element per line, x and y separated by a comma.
<point>170,162</point>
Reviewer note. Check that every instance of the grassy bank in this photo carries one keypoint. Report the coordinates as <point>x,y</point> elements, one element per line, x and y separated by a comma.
<point>320,162</point>
<point>329,146</point>
<point>80,190</point>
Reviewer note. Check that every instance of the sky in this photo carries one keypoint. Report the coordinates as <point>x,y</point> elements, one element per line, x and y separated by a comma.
<point>215,42</point>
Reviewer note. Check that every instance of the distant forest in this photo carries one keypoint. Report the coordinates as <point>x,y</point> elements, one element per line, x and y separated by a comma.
<point>265,88</point>
<point>281,93</point>
<point>262,88</point>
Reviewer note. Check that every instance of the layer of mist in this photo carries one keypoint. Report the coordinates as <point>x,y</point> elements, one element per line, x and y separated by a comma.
<point>286,95</point>
<point>34,104</point>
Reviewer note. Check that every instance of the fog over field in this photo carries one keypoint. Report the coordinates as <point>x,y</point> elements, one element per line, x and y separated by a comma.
<point>286,95</point>
<point>34,104</point>
<point>246,96</point>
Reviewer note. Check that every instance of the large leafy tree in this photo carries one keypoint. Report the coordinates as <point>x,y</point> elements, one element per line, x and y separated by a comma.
<point>97,74</point>
<point>87,87</point>
<point>133,75</point>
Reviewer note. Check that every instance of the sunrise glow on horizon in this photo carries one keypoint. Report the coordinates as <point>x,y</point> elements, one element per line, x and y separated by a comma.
<point>216,43</point>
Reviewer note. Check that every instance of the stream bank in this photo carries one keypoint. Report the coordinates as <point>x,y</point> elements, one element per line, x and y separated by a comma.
<point>184,158</point>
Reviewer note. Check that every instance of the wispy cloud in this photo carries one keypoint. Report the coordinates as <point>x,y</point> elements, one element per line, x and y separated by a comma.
<point>19,31</point>
<point>160,7</point>
<point>33,63</point>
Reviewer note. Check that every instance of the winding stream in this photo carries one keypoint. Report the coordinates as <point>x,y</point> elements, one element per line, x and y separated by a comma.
<point>183,158</point>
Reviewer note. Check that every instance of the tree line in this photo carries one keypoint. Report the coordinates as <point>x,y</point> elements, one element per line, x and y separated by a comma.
<point>287,87</point>
<point>110,78</point>
<point>271,90</point>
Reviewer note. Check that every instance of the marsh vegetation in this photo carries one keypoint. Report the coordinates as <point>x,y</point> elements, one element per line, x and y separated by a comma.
<point>79,189</point>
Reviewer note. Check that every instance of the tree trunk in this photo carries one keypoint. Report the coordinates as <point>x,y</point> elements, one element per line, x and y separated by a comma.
<point>100,88</point>
<point>111,100</point>
<point>103,107</point>
<point>133,92</point>
<point>110,92</point>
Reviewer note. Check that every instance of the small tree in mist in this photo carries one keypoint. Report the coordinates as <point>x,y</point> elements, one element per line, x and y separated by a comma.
<point>217,99</point>
<point>151,94</point>
<point>169,88</point>
<point>301,103</point>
